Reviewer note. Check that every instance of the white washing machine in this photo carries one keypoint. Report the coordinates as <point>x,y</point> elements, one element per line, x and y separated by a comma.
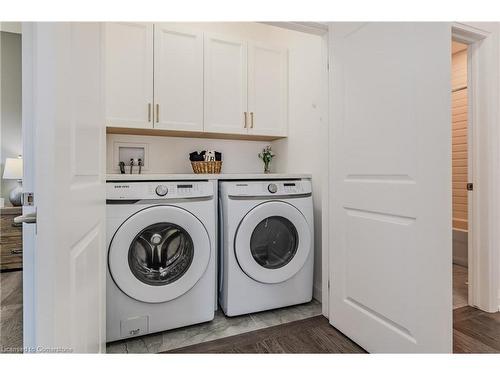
<point>266,238</point>
<point>161,256</point>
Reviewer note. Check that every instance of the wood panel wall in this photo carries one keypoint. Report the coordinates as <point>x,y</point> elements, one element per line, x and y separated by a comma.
<point>459,138</point>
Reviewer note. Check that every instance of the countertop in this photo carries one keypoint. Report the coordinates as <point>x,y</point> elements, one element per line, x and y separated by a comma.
<point>193,176</point>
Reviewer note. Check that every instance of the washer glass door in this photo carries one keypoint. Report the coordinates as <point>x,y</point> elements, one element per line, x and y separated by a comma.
<point>272,242</point>
<point>159,253</point>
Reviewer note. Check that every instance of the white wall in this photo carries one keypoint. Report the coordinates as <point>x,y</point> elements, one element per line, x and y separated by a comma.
<point>11,27</point>
<point>305,148</point>
<point>10,128</point>
<point>171,154</point>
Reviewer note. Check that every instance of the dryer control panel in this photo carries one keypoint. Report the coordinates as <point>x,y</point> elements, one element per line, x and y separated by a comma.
<point>266,188</point>
<point>158,190</point>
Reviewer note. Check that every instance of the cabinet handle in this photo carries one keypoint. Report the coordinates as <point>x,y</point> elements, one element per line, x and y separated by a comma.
<point>149,112</point>
<point>251,120</point>
<point>245,114</point>
<point>157,113</point>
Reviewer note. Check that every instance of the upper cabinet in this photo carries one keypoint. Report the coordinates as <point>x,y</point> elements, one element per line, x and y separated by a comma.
<point>129,74</point>
<point>178,78</point>
<point>225,85</point>
<point>212,85</point>
<point>267,90</point>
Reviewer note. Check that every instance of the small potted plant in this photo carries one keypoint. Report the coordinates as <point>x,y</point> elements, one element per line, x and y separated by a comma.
<point>267,155</point>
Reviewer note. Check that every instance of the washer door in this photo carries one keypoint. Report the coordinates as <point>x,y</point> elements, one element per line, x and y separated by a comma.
<point>272,242</point>
<point>159,253</point>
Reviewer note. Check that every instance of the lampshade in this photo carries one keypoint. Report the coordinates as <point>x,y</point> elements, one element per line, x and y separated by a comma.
<point>13,169</point>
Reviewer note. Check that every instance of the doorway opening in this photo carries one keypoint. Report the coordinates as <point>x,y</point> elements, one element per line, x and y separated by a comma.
<point>460,171</point>
<point>11,176</point>
<point>475,306</point>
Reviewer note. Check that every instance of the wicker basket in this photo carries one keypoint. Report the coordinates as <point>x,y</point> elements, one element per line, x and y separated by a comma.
<point>206,166</point>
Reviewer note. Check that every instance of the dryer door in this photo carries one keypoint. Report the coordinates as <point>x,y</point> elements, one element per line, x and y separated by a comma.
<point>272,242</point>
<point>159,253</point>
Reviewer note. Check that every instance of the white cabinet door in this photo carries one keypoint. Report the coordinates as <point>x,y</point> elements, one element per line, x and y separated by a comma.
<point>390,186</point>
<point>178,78</point>
<point>225,85</point>
<point>129,74</point>
<point>267,90</point>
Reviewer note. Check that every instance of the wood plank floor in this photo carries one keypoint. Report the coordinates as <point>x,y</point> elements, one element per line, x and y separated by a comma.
<point>11,312</point>
<point>312,335</point>
<point>475,331</point>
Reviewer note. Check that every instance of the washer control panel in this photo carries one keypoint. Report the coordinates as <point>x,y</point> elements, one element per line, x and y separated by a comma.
<point>266,188</point>
<point>140,190</point>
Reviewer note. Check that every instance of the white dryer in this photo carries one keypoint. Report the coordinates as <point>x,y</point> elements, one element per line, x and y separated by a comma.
<point>161,256</point>
<point>266,238</point>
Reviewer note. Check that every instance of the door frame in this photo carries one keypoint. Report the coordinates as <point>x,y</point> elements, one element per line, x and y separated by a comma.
<point>483,205</point>
<point>28,44</point>
<point>484,245</point>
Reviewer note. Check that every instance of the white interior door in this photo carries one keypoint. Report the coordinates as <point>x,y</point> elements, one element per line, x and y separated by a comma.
<point>267,89</point>
<point>390,260</point>
<point>64,135</point>
<point>129,74</point>
<point>178,78</point>
<point>225,84</point>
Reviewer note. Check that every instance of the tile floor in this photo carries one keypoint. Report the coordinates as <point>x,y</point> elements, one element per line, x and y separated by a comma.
<point>220,327</point>
<point>305,336</point>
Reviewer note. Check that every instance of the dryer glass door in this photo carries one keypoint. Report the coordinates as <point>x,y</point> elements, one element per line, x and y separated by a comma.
<point>273,242</point>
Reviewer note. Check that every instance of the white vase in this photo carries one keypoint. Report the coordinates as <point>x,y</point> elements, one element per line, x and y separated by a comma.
<point>15,194</point>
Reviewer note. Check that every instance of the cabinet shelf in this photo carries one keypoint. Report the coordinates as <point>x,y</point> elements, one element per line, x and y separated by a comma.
<point>189,134</point>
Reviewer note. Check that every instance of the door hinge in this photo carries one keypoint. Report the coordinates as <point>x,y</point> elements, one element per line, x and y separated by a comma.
<point>470,186</point>
<point>28,199</point>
